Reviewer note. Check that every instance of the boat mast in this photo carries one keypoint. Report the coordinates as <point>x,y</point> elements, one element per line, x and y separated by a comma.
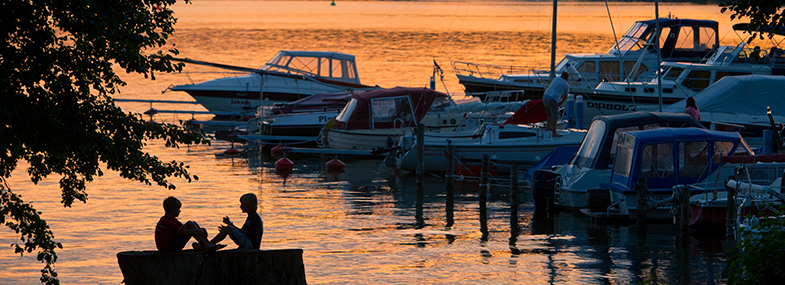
<point>657,45</point>
<point>553,42</point>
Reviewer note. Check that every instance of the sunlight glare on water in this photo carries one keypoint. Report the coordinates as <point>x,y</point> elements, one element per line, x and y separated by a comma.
<point>361,227</point>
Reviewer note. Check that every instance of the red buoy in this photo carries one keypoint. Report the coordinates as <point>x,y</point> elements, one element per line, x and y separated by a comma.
<point>335,165</point>
<point>284,164</point>
<point>279,150</point>
<point>232,151</point>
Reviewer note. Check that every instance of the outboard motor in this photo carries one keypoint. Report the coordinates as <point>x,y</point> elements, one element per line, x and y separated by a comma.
<point>598,200</point>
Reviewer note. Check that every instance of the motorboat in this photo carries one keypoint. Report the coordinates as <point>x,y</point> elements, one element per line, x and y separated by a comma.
<point>593,163</point>
<point>296,123</point>
<point>680,80</point>
<point>758,190</point>
<point>524,145</point>
<point>632,58</point>
<point>376,119</point>
<point>289,76</point>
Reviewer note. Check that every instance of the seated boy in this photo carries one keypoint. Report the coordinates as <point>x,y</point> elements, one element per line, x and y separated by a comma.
<point>171,235</point>
<point>250,235</point>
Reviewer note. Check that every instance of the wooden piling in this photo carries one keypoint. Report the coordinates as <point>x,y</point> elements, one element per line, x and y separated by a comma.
<point>642,189</point>
<point>514,202</point>
<point>420,153</point>
<point>449,156</point>
<point>684,206</point>
<point>730,213</point>
<point>485,175</point>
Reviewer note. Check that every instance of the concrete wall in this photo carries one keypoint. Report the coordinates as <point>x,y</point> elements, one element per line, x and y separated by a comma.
<point>236,266</point>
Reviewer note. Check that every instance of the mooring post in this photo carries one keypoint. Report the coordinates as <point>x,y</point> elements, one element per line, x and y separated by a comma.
<point>484,175</point>
<point>420,153</point>
<point>730,213</point>
<point>642,189</point>
<point>684,206</point>
<point>450,170</point>
<point>515,198</point>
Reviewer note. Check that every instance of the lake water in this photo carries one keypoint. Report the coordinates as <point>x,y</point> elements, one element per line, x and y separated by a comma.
<point>362,227</point>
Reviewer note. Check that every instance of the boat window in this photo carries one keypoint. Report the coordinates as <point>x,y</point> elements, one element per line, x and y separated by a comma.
<point>673,73</point>
<point>588,151</point>
<point>721,149</point>
<point>386,110</point>
<point>623,163</point>
<point>633,40</point>
<point>657,161</point>
<point>610,69</point>
<point>279,60</point>
<point>587,66</point>
<point>347,111</point>
<point>307,65</point>
<point>338,69</point>
<point>665,34</point>
<point>513,135</point>
<point>629,67</point>
<point>706,39</point>
<point>324,67</point>
<point>350,70</point>
<point>693,158</point>
<point>697,80</point>
<point>688,39</point>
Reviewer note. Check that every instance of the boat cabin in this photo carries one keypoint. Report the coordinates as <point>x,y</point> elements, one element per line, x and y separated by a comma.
<point>670,156</point>
<point>390,108</point>
<point>321,64</point>
<point>598,148</point>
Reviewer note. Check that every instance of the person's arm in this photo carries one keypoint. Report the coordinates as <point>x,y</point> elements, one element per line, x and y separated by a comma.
<point>563,98</point>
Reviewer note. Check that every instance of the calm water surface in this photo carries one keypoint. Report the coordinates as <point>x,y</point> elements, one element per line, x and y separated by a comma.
<point>360,226</point>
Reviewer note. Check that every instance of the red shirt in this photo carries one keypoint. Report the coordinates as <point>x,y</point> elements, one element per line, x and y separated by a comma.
<point>165,230</point>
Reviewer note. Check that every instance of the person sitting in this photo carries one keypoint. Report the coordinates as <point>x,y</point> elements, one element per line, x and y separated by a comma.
<point>553,97</point>
<point>250,235</point>
<point>692,109</point>
<point>755,55</point>
<point>171,235</point>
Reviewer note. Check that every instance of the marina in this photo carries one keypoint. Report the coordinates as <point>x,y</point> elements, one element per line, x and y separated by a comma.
<point>362,223</point>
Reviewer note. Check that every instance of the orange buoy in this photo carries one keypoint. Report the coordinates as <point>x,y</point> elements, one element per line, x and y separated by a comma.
<point>232,151</point>
<point>335,165</point>
<point>284,164</point>
<point>279,150</point>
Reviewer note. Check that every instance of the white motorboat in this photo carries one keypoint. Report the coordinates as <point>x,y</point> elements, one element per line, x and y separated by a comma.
<point>632,58</point>
<point>505,144</point>
<point>288,76</point>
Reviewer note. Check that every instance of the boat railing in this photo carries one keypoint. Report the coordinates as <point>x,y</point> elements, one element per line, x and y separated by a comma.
<point>491,71</point>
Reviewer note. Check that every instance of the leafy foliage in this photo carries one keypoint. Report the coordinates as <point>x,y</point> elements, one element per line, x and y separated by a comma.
<point>57,62</point>
<point>756,259</point>
<point>763,15</point>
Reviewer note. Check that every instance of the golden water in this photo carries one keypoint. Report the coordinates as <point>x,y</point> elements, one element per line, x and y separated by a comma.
<point>362,227</point>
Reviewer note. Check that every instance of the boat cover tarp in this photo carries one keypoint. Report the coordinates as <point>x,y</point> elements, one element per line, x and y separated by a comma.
<point>327,100</point>
<point>747,95</point>
<point>421,100</point>
<point>531,112</point>
<point>560,155</point>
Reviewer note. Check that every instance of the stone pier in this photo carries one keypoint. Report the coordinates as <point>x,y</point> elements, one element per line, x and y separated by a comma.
<point>283,266</point>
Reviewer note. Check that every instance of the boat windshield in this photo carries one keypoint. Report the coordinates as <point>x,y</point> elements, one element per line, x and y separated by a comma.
<point>590,147</point>
<point>347,111</point>
<point>314,66</point>
<point>624,154</point>
<point>440,103</point>
<point>633,40</point>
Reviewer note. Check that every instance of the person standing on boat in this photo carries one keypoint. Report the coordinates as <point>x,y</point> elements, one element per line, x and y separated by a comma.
<point>692,109</point>
<point>553,97</point>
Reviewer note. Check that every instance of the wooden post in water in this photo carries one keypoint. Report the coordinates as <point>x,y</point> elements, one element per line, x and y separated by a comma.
<point>484,175</point>
<point>515,200</point>
<point>642,189</point>
<point>684,206</point>
<point>420,153</point>
<point>730,213</point>
<point>450,174</point>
